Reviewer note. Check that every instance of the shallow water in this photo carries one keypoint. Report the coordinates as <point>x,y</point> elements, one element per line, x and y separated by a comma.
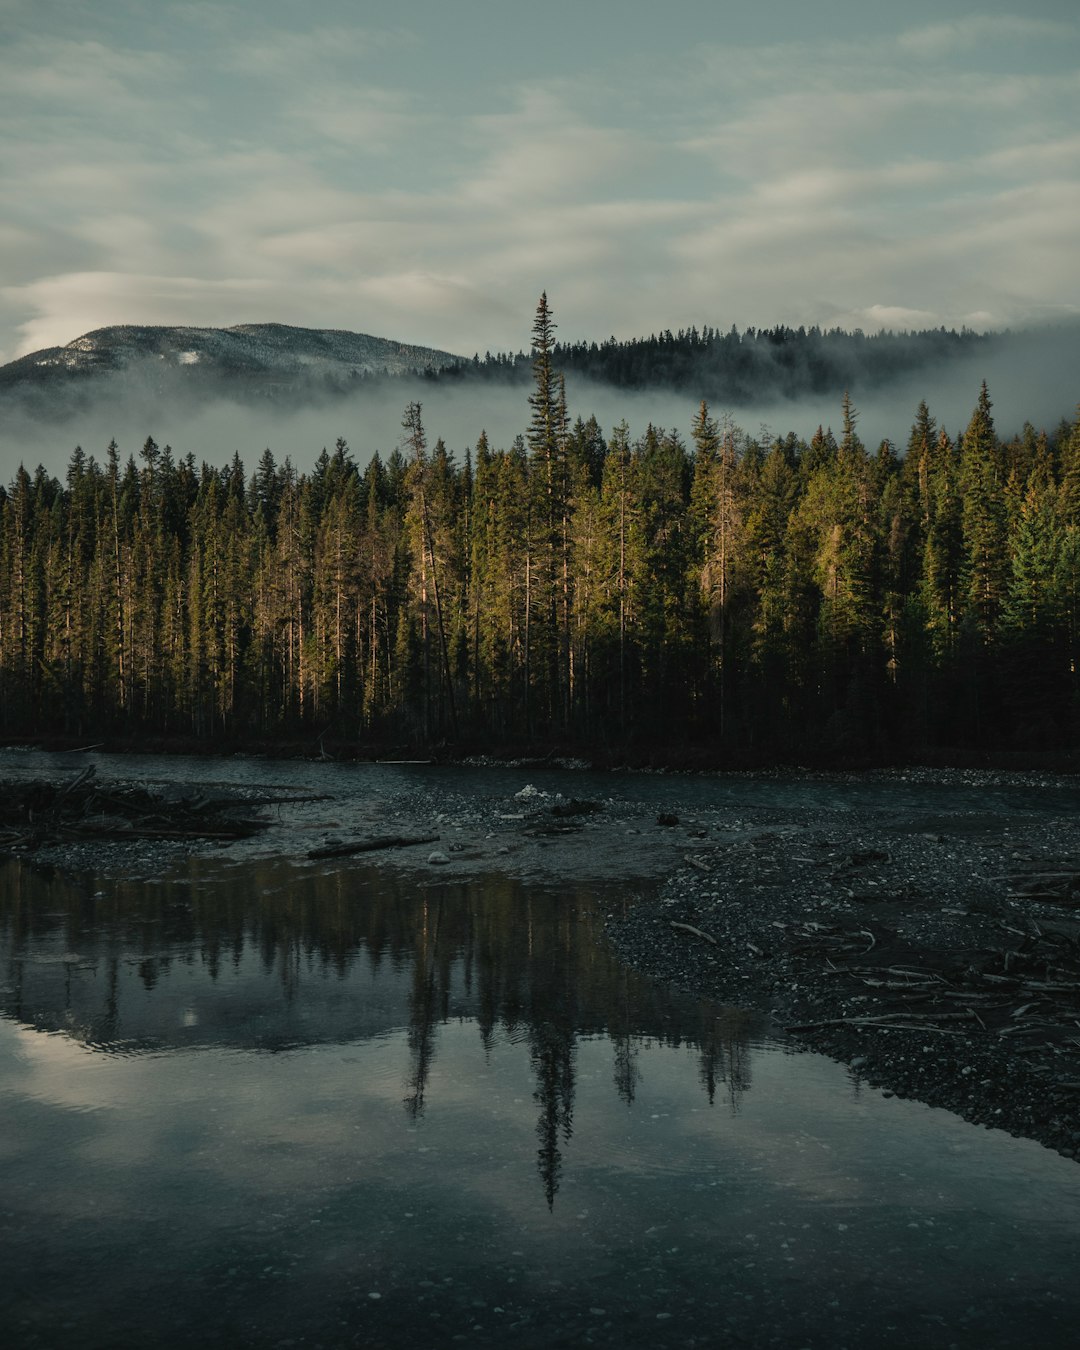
<point>271,1103</point>
<point>363,782</point>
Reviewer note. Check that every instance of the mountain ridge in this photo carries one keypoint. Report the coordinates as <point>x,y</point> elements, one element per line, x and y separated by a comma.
<point>245,361</point>
<point>145,372</point>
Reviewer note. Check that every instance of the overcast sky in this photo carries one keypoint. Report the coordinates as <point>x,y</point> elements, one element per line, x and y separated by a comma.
<point>422,169</point>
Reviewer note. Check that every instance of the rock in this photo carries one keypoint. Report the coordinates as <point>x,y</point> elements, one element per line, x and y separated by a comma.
<point>437,856</point>
<point>575,807</point>
<point>668,818</point>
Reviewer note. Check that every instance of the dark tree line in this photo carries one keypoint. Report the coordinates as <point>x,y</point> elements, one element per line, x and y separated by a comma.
<point>742,367</point>
<point>794,597</point>
<point>286,367</point>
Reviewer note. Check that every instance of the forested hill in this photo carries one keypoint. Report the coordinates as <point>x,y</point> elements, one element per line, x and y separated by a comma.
<point>249,363</point>
<point>743,368</point>
<point>256,364</point>
<point>798,599</point>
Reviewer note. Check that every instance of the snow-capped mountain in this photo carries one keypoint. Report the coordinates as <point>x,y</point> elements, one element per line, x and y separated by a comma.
<point>249,362</point>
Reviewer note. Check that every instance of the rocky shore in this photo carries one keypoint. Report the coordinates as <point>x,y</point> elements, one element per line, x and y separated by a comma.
<point>935,951</point>
<point>938,957</point>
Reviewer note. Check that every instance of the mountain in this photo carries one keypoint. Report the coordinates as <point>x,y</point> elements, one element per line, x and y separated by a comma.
<point>246,363</point>
<point>121,380</point>
<point>750,367</point>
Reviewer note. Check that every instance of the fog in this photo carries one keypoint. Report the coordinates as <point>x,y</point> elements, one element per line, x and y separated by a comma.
<point>1032,377</point>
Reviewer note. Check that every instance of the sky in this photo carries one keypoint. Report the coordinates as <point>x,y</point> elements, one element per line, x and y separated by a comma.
<point>422,170</point>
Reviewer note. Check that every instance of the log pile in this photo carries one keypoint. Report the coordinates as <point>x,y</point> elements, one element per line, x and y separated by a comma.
<point>38,814</point>
<point>348,849</point>
<point>1058,883</point>
<point>1025,992</point>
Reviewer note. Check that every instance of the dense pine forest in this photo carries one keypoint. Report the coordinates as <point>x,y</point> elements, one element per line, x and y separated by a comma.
<point>742,368</point>
<point>581,589</point>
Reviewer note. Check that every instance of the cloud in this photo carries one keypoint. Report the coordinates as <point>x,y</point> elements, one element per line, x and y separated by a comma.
<point>544,152</point>
<point>942,40</point>
<point>301,54</point>
<point>64,307</point>
<point>88,75</point>
<point>422,293</point>
<point>877,317</point>
<point>345,176</point>
<point>371,119</point>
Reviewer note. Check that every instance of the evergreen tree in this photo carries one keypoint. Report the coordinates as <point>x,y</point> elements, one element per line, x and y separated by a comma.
<point>430,612</point>
<point>547,438</point>
<point>983,522</point>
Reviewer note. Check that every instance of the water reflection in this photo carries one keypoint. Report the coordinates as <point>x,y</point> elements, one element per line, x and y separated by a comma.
<point>273,956</point>
<point>277,1105</point>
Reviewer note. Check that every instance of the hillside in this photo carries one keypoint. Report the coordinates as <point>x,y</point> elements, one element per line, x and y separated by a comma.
<point>748,367</point>
<point>156,376</point>
<point>249,362</point>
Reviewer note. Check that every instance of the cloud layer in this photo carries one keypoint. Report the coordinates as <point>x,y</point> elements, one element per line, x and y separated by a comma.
<point>229,163</point>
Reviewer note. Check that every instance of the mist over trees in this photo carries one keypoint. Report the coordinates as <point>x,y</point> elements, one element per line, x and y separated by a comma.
<point>753,599</point>
<point>752,366</point>
<point>287,367</point>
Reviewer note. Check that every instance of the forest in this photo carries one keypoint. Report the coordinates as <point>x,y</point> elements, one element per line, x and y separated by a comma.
<point>730,599</point>
<point>742,368</point>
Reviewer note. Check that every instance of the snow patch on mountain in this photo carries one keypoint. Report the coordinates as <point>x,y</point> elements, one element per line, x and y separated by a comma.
<point>247,363</point>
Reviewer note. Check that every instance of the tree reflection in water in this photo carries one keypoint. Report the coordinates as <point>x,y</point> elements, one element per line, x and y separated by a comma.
<point>271,955</point>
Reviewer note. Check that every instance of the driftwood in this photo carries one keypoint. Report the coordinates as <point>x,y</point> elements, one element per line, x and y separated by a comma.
<point>110,827</point>
<point>42,813</point>
<point>877,1023</point>
<point>371,845</point>
<point>694,932</point>
<point>699,863</point>
<point>77,782</point>
<point>1025,990</point>
<point>1058,882</point>
<point>270,800</point>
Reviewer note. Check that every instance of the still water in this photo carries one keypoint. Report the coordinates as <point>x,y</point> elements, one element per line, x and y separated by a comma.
<point>261,1102</point>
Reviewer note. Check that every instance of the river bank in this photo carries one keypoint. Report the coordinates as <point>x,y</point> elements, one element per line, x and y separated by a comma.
<point>919,926</point>
<point>931,941</point>
<point>638,754</point>
<point>938,957</point>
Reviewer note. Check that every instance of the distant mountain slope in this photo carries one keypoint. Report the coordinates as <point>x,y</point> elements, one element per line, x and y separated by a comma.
<point>749,367</point>
<point>152,375</point>
<point>249,362</point>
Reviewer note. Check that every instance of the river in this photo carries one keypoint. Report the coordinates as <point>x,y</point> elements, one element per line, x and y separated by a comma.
<point>251,1099</point>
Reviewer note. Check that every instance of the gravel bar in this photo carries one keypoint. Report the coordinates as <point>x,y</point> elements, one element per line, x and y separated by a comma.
<point>939,957</point>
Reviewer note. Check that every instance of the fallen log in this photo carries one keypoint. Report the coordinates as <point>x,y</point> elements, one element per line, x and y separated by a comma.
<point>371,845</point>
<point>911,1021</point>
<point>912,985</point>
<point>1051,987</point>
<point>875,1025</point>
<point>222,803</point>
<point>237,829</point>
<point>77,782</point>
<point>695,932</point>
<point>912,974</point>
<point>699,863</point>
